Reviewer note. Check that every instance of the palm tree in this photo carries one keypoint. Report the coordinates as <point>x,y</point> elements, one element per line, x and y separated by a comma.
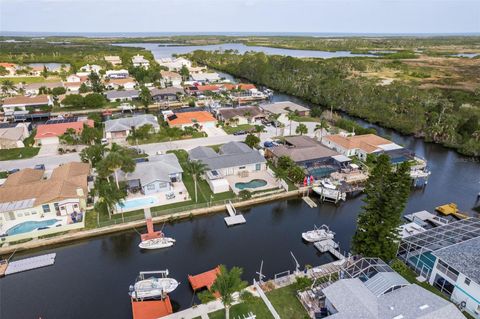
<point>258,129</point>
<point>291,116</point>
<point>226,284</point>
<point>301,129</point>
<point>7,85</point>
<point>196,169</point>
<point>274,118</point>
<point>116,160</point>
<point>108,195</point>
<point>322,126</point>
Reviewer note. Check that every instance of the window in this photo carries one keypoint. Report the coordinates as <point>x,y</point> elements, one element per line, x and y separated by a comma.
<point>447,270</point>
<point>258,166</point>
<point>75,205</point>
<point>56,207</point>
<point>241,167</point>
<point>34,212</point>
<point>467,281</point>
<point>151,187</point>
<point>46,208</point>
<point>27,213</point>
<point>19,214</point>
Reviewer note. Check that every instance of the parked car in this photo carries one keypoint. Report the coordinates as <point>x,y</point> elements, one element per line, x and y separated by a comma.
<point>14,170</point>
<point>240,133</point>
<point>39,167</point>
<point>141,160</point>
<point>268,144</point>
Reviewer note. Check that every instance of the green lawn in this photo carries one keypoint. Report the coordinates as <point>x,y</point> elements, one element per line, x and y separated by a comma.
<point>161,137</point>
<point>285,302</point>
<point>30,79</point>
<point>255,305</point>
<point>243,127</point>
<point>18,153</point>
<point>299,118</point>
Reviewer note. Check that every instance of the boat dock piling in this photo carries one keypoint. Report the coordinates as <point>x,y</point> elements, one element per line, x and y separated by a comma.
<point>332,195</point>
<point>234,218</point>
<point>330,246</point>
<point>309,201</point>
<point>30,263</point>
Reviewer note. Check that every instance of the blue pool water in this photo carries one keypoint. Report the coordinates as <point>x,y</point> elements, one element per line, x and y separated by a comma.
<point>319,172</point>
<point>426,259</point>
<point>26,227</point>
<point>254,183</point>
<point>138,203</point>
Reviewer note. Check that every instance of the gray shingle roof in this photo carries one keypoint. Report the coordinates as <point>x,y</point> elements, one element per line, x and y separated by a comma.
<point>228,113</point>
<point>158,167</point>
<point>172,90</point>
<point>353,299</point>
<point>283,107</point>
<point>304,149</point>
<point>463,257</point>
<point>122,94</point>
<point>127,123</point>
<point>232,154</point>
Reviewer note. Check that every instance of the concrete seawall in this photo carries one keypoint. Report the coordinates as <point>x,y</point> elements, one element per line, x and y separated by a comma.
<point>84,234</point>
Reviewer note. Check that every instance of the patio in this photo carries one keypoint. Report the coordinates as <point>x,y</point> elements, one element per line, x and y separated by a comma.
<point>247,177</point>
<point>136,201</point>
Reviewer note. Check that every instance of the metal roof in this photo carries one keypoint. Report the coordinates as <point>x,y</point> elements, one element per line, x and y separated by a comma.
<point>382,282</point>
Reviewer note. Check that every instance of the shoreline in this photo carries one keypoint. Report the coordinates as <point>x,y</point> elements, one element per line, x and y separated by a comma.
<point>69,238</point>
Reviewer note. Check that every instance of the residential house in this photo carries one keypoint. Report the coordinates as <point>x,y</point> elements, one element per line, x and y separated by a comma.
<point>203,89</point>
<point>283,108</point>
<point>170,78</point>
<point>375,291</point>
<point>167,94</point>
<point>447,257</point>
<point>139,61</point>
<point>117,74</point>
<point>73,78</point>
<point>89,68</point>
<point>242,90</point>
<point>233,158</point>
<point>359,145</point>
<point>11,104</point>
<point>34,88</point>
<point>13,134</point>
<point>121,128</point>
<point>123,95</point>
<point>240,115</point>
<point>74,82</point>
<point>205,77</point>
<point>306,152</point>
<point>126,83</point>
<point>28,197</point>
<point>50,132</point>
<point>10,67</point>
<point>184,119</point>
<point>174,64</point>
<point>113,59</point>
<point>157,175</point>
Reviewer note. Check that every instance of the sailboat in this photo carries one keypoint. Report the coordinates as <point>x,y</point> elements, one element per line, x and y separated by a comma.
<point>154,239</point>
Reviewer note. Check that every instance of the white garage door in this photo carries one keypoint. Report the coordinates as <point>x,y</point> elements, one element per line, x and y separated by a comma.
<point>49,140</point>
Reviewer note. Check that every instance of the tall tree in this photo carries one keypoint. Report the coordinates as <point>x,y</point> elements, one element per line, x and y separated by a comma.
<point>90,134</point>
<point>108,194</point>
<point>291,116</point>
<point>387,193</point>
<point>196,169</point>
<point>321,127</point>
<point>227,283</point>
<point>252,140</point>
<point>116,160</point>
<point>145,96</point>
<point>185,73</point>
<point>95,82</point>
<point>7,86</point>
<point>93,154</point>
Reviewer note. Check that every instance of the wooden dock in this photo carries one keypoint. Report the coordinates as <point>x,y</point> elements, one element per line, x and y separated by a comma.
<point>30,263</point>
<point>422,217</point>
<point>234,218</point>
<point>309,201</point>
<point>330,246</point>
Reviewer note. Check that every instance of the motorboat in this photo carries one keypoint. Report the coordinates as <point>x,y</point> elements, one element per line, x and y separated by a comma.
<point>153,287</point>
<point>327,184</point>
<point>157,243</point>
<point>318,234</point>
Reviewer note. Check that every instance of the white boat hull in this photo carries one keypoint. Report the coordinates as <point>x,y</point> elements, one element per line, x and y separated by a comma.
<point>153,288</point>
<point>312,236</point>
<point>157,243</point>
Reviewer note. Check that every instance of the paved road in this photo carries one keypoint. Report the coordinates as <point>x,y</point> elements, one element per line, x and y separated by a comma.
<point>51,162</point>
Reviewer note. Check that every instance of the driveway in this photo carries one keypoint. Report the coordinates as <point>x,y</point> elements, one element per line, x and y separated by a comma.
<point>48,150</point>
<point>214,131</point>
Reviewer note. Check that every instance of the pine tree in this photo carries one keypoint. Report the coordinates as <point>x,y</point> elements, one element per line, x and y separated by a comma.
<point>387,192</point>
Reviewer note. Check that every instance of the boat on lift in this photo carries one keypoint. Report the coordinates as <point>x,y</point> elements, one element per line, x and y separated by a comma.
<point>154,239</point>
<point>157,243</point>
<point>327,184</point>
<point>318,234</point>
<point>153,287</point>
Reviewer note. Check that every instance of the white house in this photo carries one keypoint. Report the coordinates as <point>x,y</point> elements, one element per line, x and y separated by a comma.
<point>139,61</point>
<point>174,64</point>
<point>116,74</point>
<point>27,197</point>
<point>11,104</point>
<point>358,145</point>
<point>205,77</point>
<point>89,68</point>
<point>126,83</point>
<point>121,128</point>
<point>113,59</point>
<point>170,78</point>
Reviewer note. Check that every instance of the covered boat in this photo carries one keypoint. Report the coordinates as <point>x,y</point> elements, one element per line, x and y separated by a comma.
<point>157,243</point>
<point>153,287</point>
<point>318,234</point>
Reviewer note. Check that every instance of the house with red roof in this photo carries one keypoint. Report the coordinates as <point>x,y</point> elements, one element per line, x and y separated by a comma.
<point>50,133</point>
<point>10,67</point>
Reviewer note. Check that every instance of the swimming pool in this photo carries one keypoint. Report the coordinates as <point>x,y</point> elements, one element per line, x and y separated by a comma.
<point>29,226</point>
<point>138,203</point>
<point>254,183</point>
<point>323,171</point>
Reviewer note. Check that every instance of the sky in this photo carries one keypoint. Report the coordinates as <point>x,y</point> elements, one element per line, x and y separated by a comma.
<point>316,16</point>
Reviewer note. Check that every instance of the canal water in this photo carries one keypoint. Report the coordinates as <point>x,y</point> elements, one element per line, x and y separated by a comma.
<point>90,279</point>
<point>163,51</point>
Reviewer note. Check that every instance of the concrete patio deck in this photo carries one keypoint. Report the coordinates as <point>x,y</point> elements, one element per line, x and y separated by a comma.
<point>263,175</point>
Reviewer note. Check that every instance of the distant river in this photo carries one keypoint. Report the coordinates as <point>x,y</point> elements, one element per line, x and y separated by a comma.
<point>164,51</point>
